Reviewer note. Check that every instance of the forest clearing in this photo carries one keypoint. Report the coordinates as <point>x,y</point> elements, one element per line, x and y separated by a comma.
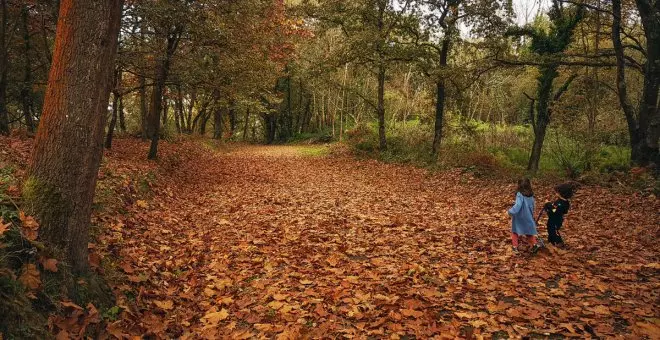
<point>288,241</point>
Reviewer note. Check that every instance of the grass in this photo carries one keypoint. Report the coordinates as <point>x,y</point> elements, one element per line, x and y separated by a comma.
<point>485,148</point>
<point>314,150</point>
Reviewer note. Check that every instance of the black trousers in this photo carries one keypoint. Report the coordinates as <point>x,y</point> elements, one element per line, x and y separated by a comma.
<point>554,236</point>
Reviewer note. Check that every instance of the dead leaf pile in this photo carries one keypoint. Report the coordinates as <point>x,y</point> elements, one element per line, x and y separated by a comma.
<point>263,241</point>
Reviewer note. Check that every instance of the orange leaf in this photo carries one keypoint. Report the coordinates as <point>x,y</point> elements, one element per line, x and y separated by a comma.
<point>50,265</point>
<point>214,318</point>
<point>29,227</point>
<point>4,228</point>
<point>411,312</point>
<point>166,305</point>
<point>30,276</point>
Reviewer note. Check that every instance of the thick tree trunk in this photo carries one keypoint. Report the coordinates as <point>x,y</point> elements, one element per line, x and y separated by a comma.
<point>204,122</point>
<point>440,96</point>
<point>4,115</point>
<point>537,147</point>
<point>69,142</point>
<point>26,89</point>
<point>270,127</point>
<point>544,98</point>
<point>649,113</point>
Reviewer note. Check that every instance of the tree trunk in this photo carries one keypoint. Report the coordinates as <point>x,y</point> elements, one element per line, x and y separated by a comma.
<point>622,90</point>
<point>217,123</point>
<point>232,119</point>
<point>143,108</point>
<point>649,113</point>
<point>247,121</point>
<point>122,119</point>
<point>26,89</point>
<point>205,116</point>
<point>166,109</point>
<point>69,142</point>
<point>4,115</point>
<point>178,110</point>
<point>440,95</point>
<point>540,124</point>
<point>162,70</point>
<point>113,120</point>
<point>380,110</point>
<point>270,124</point>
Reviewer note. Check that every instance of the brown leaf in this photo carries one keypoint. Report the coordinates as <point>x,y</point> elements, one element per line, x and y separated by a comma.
<point>50,265</point>
<point>30,276</point>
<point>29,227</point>
<point>411,313</point>
<point>166,305</point>
<point>214,318</point>
<point>4,228</point>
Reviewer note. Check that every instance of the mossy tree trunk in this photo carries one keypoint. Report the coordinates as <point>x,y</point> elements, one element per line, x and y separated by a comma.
<point>69,141</point>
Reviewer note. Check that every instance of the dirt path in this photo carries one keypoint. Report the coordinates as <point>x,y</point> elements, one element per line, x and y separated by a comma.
<point>277,241</point>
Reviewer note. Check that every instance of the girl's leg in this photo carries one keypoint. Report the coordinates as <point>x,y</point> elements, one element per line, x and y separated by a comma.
<point>514,239</point>
<point>532,239</point>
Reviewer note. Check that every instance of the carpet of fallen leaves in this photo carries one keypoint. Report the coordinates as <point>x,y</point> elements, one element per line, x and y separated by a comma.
<point>264,242</point>
<point>273,242</point>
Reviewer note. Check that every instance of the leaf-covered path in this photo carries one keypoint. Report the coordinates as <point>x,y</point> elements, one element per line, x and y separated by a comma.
<point>277,241</point>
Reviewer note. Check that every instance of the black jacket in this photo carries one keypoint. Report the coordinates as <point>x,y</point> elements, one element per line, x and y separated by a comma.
<point>556,211</point>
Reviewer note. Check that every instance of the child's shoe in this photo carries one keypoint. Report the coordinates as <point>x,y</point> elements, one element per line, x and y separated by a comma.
<point>515,250</point>
<point>536,247</point>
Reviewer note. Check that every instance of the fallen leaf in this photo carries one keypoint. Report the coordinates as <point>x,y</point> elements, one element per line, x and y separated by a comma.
<point>166,305</point>
<point>29,227</point>
<point>50,265</point>
<point>4,228</point>
<point>215,317</point>
<point>30,276</point>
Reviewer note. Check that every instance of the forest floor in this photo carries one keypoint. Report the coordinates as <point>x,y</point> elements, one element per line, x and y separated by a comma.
<point>289,242</point>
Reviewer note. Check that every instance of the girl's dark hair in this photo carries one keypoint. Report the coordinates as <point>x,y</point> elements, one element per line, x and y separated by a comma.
<point>566,190</point>
<point>525,187</point>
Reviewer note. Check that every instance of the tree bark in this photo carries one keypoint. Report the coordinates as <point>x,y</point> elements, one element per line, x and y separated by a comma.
<point>113,120</point>
<point>143,108</point>
<point>649,113</point>
<point>116,97</point>
<point>217,123</point>
<point>162,70</point>
<point>380,109</point>
<point>26,89</point>
<point>69,141</point>
<point>540,124</point>
<point>178,110</point>
<point>122,118</point>
<point>440,95</point>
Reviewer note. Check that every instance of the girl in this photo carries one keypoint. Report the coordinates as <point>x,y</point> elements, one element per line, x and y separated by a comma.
<point>557,210</point>
<point>522,215</point>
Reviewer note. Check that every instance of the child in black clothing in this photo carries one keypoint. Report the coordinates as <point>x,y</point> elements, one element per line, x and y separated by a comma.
<point>556,211</point>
